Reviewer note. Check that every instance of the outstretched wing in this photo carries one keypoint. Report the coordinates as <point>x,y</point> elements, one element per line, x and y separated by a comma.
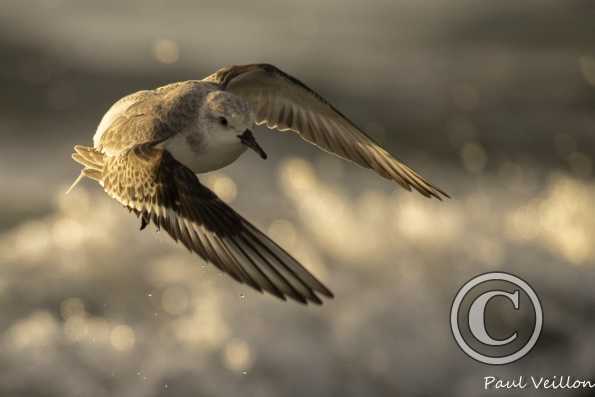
<point>283,102</point>
<point>151,182</point>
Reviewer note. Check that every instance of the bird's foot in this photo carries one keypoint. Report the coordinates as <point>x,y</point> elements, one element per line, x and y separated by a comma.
<point>143,222</point>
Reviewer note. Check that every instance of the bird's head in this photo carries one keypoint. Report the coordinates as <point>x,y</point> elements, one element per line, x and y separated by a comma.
<point>228,119</point>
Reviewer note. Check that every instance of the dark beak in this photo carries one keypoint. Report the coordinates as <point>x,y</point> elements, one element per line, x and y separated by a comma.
<point>248,139</point>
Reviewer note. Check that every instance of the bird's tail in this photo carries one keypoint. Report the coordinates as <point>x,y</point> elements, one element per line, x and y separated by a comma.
<point>91,160</point>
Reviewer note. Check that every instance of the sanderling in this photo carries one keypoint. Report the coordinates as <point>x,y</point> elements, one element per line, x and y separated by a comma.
<point>150,145</point>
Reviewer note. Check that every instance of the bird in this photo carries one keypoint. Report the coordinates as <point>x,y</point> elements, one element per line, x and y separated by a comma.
<point>151,145</point>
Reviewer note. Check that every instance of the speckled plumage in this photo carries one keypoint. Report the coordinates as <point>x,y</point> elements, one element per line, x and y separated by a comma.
<point>150,144</point>
<point>146,116</point>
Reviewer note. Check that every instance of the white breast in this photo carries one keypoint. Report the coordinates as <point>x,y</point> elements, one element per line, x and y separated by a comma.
<point>209,158</point>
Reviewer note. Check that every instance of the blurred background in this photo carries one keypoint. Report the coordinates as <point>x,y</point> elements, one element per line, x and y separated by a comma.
<point>493,101</point>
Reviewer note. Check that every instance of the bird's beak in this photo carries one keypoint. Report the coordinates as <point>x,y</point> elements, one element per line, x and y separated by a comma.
<point>248,139</point>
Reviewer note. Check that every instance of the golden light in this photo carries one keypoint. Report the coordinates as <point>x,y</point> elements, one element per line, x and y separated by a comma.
<point>557,220</point>
<point>31,243</point>
<point>225,188</point>
<point>297,174</point>
<point>237,355</point>
<point>166,51</point>
<point>35,331</point>
<point>67,233</point>
<point>204,327</point>
<point>122,338</point>
<point>75,328</point>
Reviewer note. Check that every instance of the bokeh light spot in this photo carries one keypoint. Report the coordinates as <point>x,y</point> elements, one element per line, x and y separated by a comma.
<point>122,338</point>
<point>166,51</point>
<point>224,187</point>
<point>237,355</point>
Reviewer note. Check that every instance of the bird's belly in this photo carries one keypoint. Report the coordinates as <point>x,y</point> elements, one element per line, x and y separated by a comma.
<point>214,160</point>
<point>207,159</point>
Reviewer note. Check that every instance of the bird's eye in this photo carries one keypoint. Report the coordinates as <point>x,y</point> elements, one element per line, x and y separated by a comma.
<point>223,121</point>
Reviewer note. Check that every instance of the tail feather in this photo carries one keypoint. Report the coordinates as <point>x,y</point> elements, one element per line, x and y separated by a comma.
<point>91,160</point>
<point>88,156</point>
<point>96,175</point>
<point>76,182</point>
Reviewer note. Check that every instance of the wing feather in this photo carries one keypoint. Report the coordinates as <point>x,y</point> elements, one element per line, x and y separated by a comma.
<point>158,188</point>
<point>284,103</point>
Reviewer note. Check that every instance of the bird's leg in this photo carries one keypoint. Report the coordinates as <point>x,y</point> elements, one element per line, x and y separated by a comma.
<point>143,222</point>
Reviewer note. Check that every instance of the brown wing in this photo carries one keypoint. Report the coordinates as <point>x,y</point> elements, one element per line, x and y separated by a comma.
<point>284,103</point>
<point>151,182</point>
